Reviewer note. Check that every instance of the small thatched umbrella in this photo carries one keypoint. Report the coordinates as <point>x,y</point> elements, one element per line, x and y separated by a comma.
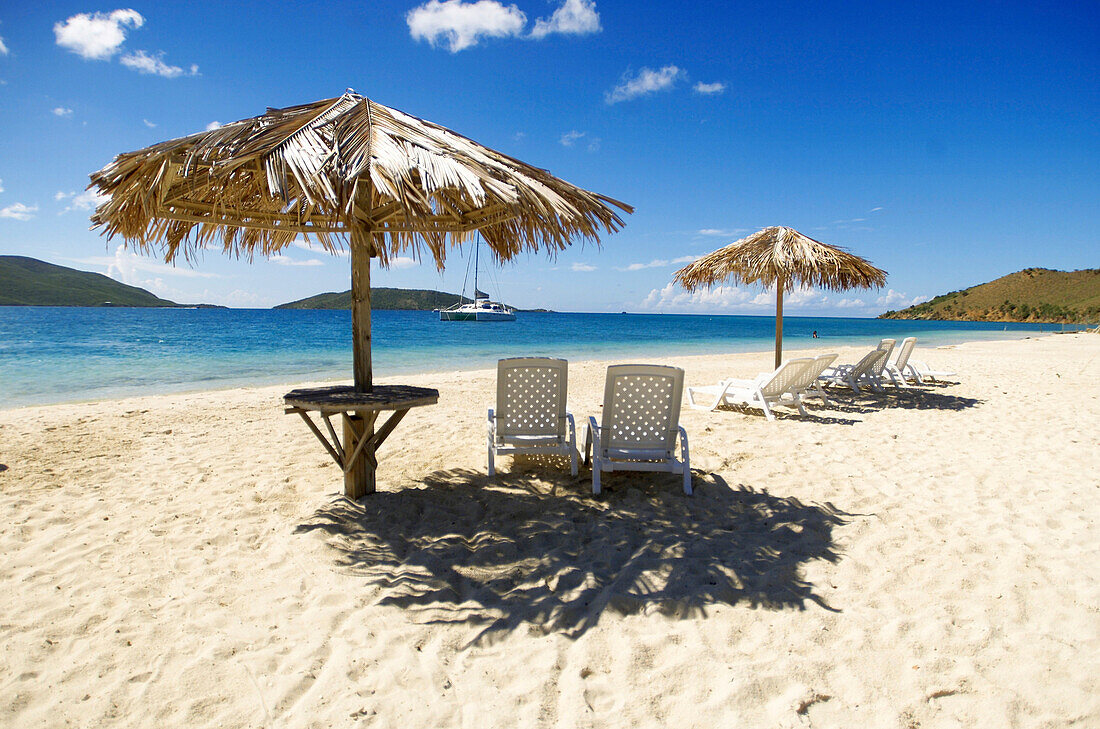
<point>781,257</point>
<point>390,181</point>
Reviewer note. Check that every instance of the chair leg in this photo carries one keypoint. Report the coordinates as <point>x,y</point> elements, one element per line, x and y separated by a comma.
<point>687,461</point>
<point>801,408</point>
<point>767,410</point>
<point>596,479</point>
<point>492,464</point>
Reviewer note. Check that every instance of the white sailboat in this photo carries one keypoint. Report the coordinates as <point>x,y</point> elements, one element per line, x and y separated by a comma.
<point>481,308</point>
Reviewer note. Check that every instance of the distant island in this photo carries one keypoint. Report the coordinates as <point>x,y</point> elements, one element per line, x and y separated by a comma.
<point>384,298</point>
<point>1031,295</point>
<point>380,298</point>
<point>28,281</point>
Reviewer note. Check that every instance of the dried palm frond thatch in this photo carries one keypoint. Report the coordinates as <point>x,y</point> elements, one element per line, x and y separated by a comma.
<point>343,165</point>
<point>781,257</point>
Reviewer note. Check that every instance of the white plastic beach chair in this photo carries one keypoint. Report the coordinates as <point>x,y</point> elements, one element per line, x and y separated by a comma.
<point>781,387</point>
<point>852,375</point>
<point>896,370</point>
<point>808,383</point>
<point>877,369</point>
<point>531,416</point>
<point>922,372</point>
<point>640,423</point>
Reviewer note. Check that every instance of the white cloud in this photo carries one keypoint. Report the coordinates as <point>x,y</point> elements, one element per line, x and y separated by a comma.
<point>62,111</point>
<point>1,185</point>
<point>403,262</point>
<point>213,125</point>
<point>657,263</point>
<point>725,233</point>
<point>460,25</point>
<point>573,17</point>
<point>149,124</point>
<point>96,36</point>
<point>730,299</point>
<point>582,267</point>
<point>875,210</point>
<point>287,261</point>
<point>850,304</point>
<point>715,88</point>
<point>3,48</point>
<point>143,62</point>
<point>307,245</point>
<point>570,138</point>
<point>18,211</point>
<point>594,144</point>
<point>898,300</point>
<point>645,82</point>
<point>87,200</point>
<point>126,266</point>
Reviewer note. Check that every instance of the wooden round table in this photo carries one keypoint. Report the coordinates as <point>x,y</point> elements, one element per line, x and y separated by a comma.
<point>355,454</point>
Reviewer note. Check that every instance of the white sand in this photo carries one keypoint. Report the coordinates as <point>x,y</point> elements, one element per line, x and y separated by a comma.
<point>925,558</point>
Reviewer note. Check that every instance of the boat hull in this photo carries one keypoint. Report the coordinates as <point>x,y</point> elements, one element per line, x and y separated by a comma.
<point>476,316</point>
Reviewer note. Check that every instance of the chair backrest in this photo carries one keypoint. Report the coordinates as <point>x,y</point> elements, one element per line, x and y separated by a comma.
<point>886,345</point>
<point>869,360</point>
<point>641,407</point>
<point>787,377</point>
<point>531,395</point>
<point>818,365</point>
<point>904,351</point>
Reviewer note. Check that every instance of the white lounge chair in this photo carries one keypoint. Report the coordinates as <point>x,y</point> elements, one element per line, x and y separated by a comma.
<point>639,424</point>
<point>852,375</point>
<point>531,416</point>
<point>896,370</point>
<point>922,372</point>
<point>879,367</point>
<point>809,385</point>
<point>782,387</point>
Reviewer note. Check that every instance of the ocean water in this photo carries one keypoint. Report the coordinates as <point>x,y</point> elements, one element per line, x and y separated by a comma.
<point>61,354</point>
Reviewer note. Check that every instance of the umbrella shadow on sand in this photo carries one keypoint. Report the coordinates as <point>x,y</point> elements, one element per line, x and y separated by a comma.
<point>531,548</point>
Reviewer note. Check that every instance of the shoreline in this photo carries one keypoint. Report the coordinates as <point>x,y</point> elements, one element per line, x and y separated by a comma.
<point>304,381</point>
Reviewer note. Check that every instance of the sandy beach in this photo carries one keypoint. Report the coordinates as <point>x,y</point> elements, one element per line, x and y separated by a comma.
<point>922,558</point>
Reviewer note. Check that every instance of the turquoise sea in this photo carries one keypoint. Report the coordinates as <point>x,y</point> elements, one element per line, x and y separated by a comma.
<point>61,354</point>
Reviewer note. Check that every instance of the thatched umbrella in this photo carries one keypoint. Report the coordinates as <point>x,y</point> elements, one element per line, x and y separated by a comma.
<point>392,182</point>
<point>781,257</point>
<point>340,169</point>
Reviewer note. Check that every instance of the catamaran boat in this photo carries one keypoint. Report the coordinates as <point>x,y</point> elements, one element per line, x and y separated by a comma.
<point>480,309</point>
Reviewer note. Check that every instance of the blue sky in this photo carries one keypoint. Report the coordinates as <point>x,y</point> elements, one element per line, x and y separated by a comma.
<point>949,143</point>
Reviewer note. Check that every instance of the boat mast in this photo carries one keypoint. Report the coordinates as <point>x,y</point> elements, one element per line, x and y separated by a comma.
<point>477,249</point>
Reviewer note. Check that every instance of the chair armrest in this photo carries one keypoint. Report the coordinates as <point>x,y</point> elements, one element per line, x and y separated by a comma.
<point>591,435</point>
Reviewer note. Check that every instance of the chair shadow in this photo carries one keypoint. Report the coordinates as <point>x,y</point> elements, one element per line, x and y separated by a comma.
<point>781,414</point>
<point>3,468</point>
<point>533,549</point>
<point>911,398</point>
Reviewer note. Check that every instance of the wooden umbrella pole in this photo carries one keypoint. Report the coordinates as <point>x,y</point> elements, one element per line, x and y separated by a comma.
<point>359,473</point>
<point>361,247</point>
<point>778,322</point>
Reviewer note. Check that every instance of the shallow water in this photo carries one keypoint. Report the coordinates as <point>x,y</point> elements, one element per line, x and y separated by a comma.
<point>60,354</point>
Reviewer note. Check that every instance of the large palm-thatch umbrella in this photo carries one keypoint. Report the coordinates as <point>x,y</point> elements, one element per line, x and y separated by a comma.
<point>344,171</point>
<point>781,257</point>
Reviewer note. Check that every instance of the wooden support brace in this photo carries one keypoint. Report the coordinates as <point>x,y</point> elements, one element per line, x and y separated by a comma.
<point>317,432</point>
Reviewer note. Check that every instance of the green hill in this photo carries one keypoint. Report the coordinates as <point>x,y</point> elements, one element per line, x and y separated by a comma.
<point>1034,294</point>
<point>30,282</point>
<point>380,298</point>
